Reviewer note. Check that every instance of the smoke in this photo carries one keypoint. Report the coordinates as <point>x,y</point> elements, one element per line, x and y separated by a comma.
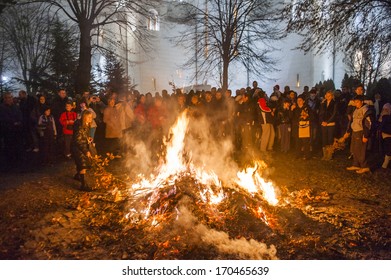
<point>206,149</point>
<point>201,145</point>
<point>242,248</point>
<point>211,151</point>
<point>138,155</point>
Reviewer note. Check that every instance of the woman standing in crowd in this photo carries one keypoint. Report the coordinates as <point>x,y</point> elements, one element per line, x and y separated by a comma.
<point>284,117</point>
<point>112,119</point>
<point>47,132</point>
<point>81,142</point>
<point>328,118</point>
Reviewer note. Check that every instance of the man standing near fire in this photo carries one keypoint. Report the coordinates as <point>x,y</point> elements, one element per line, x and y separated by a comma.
<point>360,129</point>
<point>245,120</point>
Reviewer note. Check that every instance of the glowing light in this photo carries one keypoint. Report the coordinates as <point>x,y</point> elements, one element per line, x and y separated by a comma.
<point>177,166</point>
<point>251,181</point>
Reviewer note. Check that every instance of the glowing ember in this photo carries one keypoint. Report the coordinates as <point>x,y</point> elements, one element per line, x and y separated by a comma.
<point>262,215</point>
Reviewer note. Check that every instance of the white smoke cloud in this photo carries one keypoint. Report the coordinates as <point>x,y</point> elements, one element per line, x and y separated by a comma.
<point>208,152</point>
<point>244,249</point>
<point>138,156</point>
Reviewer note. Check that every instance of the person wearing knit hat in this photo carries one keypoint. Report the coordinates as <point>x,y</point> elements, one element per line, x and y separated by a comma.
<point>263,105</point>
<point>265,117</point>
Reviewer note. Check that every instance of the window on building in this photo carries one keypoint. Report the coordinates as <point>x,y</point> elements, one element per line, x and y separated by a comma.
<point>153,20</point>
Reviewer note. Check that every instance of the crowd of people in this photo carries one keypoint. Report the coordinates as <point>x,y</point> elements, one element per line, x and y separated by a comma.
<point>303,124</point>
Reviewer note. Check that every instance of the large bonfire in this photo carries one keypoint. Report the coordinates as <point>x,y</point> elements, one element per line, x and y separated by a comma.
<point>191,206</point>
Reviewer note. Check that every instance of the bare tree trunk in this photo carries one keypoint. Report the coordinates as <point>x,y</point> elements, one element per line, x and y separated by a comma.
<point>225,74</point>
<point>83,76</point>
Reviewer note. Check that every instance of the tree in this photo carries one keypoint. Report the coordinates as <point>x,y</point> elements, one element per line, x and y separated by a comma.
<point>360,28</point>
<point>115,74</point>
<point>383,87</point>
<point>63,56</point>
<point>325,86</point>
<point>323,23</point>
<point>350,82</point>
<point>5,3</point>
<point>4,62</point>
<point>370,61</point>
<point>225,32</point>
<point>91,15</point>
<point>26,30</point>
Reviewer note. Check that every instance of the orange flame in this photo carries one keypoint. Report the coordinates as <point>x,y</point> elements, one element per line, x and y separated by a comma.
<point>251,181</point>
<point>174,167</point>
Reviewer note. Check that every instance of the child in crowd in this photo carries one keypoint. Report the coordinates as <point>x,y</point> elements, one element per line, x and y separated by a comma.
<point>47,132</point>
<point>84,107</point>
<point>67,120</point>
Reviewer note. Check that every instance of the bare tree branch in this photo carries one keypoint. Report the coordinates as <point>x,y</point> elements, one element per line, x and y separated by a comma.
<point>227,32</point>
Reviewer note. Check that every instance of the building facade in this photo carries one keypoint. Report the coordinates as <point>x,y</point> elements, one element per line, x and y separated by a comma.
<point>162,67</point>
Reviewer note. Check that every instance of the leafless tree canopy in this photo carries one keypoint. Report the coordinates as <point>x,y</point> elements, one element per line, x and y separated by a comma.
<point>348,23</point>
<point>26,32</point>
<point>90,15</point>
<point>222,32</point>
<point>360,28</point>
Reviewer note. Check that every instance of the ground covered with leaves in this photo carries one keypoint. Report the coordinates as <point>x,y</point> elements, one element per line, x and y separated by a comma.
<point>325,212</point>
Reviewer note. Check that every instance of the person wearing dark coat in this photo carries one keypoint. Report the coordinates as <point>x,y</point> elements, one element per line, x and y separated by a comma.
<point>26,106</point>
<point>11,129</point>
<point>284,118</point>
<point>81,142</point>
<point>58,107</point>
<point>328,120</point>
<point>245,121</point>
<point>47,132</point>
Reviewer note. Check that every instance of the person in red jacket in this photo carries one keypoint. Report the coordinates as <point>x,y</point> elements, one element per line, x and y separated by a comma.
<point>67,120</point>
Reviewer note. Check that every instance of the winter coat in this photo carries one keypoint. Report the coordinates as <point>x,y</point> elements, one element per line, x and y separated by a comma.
<point>126,114</point>
<point>67,129</point>
<point>329,113</point>
<point>156,116</point>
<point>140,113</point>
<point>80,145</point>
<point>246,114</point>
<point>284,116</point>
<point>10,118</point>
<point>363,120</point>
<point>47,127</point>
<point>112,119</point>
